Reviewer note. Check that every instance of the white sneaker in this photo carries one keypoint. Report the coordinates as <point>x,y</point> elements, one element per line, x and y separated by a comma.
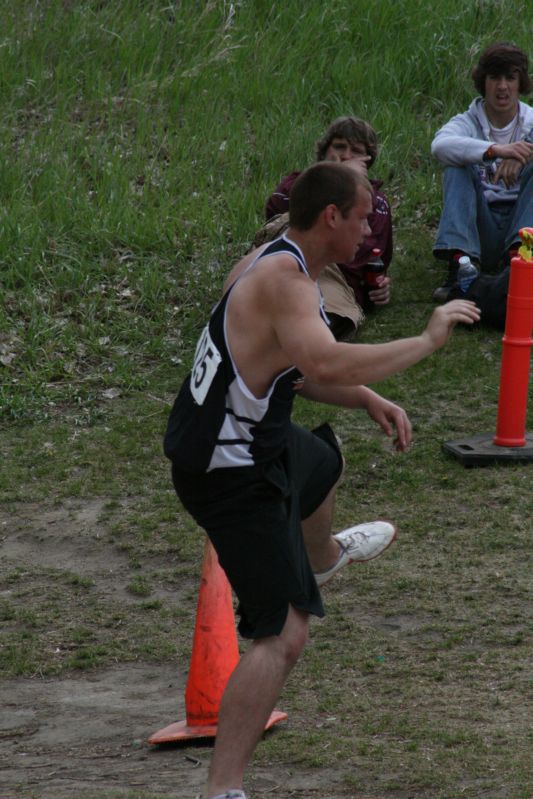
<point>360,543</point>
<point>231,795</point>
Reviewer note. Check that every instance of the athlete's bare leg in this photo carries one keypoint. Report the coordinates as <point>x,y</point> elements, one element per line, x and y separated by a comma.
<point>321,547</point>
<point>245,709</point>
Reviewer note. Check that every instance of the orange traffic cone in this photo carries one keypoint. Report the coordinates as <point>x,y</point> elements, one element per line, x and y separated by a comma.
<point>215,654</point>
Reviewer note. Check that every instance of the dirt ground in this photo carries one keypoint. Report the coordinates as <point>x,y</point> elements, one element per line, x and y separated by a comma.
<point>86,734</point>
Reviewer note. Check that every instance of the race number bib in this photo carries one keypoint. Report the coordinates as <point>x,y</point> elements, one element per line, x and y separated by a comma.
<point>204,369</point>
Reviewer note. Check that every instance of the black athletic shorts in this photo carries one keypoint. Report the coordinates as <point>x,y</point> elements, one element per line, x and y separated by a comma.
<point>253,517</point>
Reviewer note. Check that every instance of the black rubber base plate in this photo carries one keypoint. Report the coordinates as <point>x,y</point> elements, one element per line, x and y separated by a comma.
<point>480,451</point>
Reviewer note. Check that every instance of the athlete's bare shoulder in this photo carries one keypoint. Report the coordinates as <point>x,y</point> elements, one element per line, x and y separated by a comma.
<point>269,266</point>
<point>242,265</point>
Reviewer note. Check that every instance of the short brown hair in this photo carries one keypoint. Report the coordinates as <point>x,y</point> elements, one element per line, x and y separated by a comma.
<point>322,184</point>
<point>355,130</point>
<point>499,59</point>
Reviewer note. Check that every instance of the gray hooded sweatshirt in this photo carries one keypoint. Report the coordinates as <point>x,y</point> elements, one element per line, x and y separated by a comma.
<point>465,139</point>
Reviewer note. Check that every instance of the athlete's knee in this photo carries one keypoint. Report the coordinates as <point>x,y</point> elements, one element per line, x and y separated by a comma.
<point>294,635</point>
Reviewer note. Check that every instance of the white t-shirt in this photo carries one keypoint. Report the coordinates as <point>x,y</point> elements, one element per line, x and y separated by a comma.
<point>505,135</point>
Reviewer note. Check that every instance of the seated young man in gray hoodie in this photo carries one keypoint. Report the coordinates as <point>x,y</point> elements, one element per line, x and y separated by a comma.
<point>488,178</point>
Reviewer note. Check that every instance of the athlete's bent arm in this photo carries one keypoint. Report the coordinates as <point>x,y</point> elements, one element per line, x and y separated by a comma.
<point>386,414</point>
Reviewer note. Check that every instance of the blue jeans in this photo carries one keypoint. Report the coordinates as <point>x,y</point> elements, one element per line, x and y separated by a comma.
<point>468,223</point>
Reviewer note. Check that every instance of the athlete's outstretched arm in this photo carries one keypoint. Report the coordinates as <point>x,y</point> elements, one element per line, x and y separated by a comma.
<point>310,346</point>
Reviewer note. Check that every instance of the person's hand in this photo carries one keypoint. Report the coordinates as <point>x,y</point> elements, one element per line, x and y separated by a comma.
<point>444,318</point>
<point>381,294</point>
<point>508,170</point>
<point>390,417</point>
<point>521,151</point>
<point>358,162</point>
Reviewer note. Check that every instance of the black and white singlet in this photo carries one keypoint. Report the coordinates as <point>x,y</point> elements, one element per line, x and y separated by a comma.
<point>216,422</point>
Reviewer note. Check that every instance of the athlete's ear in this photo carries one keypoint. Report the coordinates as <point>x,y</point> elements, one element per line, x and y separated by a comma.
<point>331,213</point>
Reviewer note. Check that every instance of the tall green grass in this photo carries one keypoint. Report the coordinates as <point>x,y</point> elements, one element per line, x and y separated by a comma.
<point>140,139</point>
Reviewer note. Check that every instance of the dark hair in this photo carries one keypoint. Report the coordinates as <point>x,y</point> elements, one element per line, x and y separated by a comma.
<point>355,130</point>
<point>322,184</point>
<point>499,59</point>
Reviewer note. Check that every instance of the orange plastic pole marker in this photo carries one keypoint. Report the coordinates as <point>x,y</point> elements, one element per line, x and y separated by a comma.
<point>517,341</point>
<point>215,654</point>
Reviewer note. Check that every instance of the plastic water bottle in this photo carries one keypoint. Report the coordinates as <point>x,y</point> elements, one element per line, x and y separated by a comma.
<point>466,273</point>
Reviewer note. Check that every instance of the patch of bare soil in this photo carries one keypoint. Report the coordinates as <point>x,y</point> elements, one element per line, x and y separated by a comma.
<point>85,734</point>
<point>63,537</point>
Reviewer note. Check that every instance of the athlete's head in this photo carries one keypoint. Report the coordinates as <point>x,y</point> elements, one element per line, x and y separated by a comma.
<point>323,184</point>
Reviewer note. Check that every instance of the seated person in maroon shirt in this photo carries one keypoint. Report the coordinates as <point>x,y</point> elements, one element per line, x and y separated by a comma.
<point>346,293</point>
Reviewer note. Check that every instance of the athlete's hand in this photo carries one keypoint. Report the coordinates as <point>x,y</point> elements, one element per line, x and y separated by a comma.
<point>390,417</point>
<point>444,319</point>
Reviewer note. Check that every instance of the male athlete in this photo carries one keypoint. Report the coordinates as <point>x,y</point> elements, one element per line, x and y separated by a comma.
<point>261,487</point>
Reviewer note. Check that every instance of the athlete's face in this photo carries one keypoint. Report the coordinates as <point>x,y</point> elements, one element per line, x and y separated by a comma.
<point>501,95</point>
<point>354,227</point>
